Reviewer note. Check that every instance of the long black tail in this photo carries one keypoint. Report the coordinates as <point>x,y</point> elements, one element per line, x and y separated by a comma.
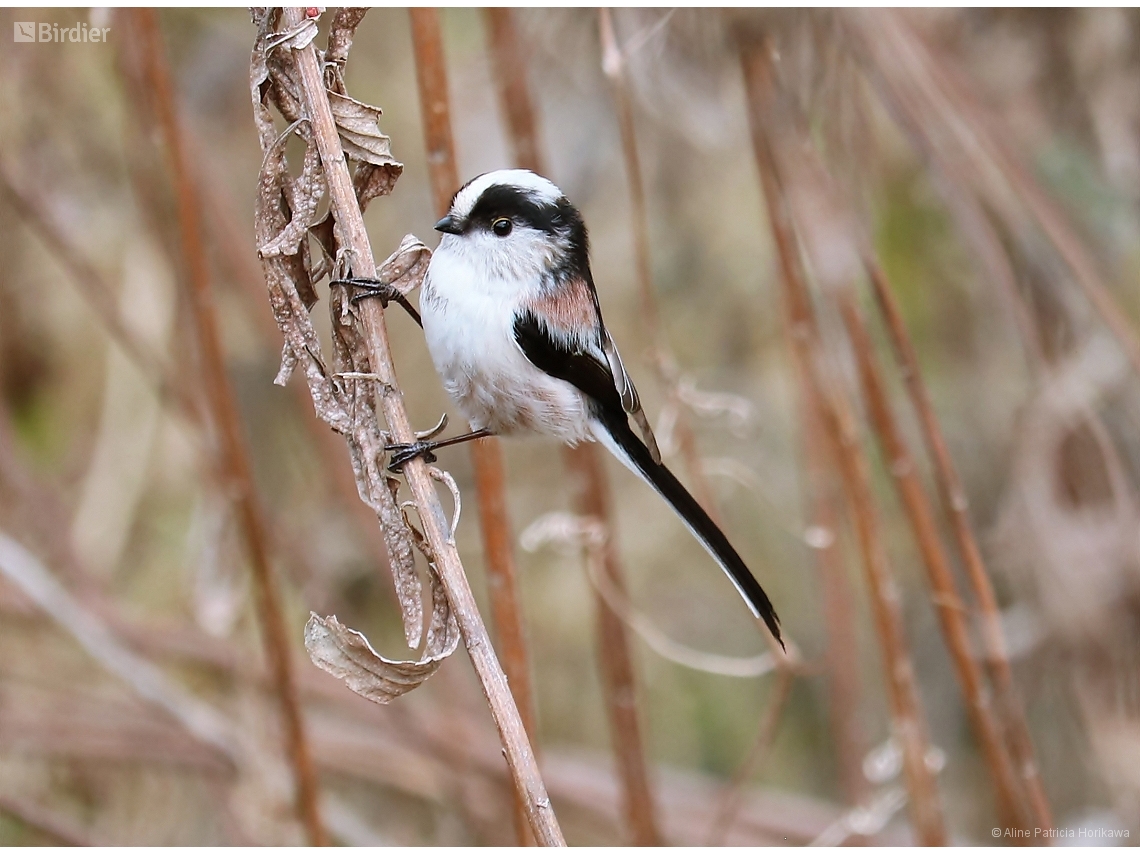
<point>624,444</point>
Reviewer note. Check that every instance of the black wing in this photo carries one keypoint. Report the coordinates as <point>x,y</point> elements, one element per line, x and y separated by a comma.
<point>591,374</point>
<point>568,361</point>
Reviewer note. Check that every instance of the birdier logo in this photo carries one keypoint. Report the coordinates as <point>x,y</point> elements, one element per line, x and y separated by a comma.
<point>33,31</point>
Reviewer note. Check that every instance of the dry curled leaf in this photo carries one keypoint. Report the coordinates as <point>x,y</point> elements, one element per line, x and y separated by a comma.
<point>359,127</point>
<point>304,194</point>
<point>445,478</point>
<point>286,206</point>
<point>398,539</point>
<point>287,279</point>
<point>341,34</point>
<point>347,655</point>
<point>406,268</point>
<point>372,180</point>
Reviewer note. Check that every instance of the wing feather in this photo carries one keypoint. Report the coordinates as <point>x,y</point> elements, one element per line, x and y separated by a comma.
<point>569,310</point>
<point>630,400</point>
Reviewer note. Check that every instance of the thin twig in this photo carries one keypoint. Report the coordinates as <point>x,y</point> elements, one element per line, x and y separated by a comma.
<point>619,680</point>
<point>909,724</point>
<point>346,211</point>
<point>486,454</point>
<point>235,462</point>
<point>587,474</point>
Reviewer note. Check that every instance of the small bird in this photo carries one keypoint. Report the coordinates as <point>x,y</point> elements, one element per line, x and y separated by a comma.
<point>515,330</point>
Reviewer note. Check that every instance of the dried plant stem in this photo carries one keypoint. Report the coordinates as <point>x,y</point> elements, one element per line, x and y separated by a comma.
<point>613,64</point>
<point>506,610</point>
<point>234,455</point>
<point>824,512</point>
<point>509,71</point>
<point>956,507</point>
<point>905,83</point>
<point>486,454</point>
<point>908,720</point>
<point>234,254</point>
<point>619,681</point>
<point>948,605</point>
<point>587,474</point>
<point>519,755</point>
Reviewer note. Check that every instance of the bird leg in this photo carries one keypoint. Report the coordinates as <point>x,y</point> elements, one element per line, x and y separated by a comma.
<point>403,452</point>
<point>380,289</point>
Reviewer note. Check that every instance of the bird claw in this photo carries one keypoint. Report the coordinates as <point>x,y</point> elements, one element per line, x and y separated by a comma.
<point>404,452</point>
<point>385,291</point>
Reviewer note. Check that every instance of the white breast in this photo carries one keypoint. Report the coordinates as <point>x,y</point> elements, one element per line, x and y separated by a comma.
<point>468,319</point>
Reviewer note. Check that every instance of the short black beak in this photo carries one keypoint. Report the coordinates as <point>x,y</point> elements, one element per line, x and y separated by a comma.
<point>449,226</point>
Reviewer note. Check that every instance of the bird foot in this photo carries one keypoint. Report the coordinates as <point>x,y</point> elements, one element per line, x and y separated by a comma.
<point>404,452</point>
<point>378,288</point>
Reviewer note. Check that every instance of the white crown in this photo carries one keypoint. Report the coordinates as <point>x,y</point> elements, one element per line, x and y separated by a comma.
<point>542,188</point>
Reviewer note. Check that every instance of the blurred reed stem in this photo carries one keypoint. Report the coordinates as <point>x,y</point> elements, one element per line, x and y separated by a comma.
<point>350,222</point>
<point>824,511</point>
<point>908,720</point>
<point>613,64</point>
<point>235,465</point>
<point>585,466</point>
<point>805,177</point>
<point>486,454</point>
<point>944,593</point>
<point>905,83</point>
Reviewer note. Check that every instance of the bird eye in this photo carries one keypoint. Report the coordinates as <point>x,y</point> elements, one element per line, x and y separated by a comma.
<point>501,227</point>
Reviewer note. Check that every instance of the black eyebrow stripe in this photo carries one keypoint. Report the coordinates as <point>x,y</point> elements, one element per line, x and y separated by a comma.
<point>502,200</point>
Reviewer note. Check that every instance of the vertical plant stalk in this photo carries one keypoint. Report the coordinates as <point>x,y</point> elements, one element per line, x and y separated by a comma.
<point>613,64</point>
<point>235,466</point>
<point>908,720</point>
<point>587,475</point>
<point>948,605</point>
<point>825,512</point>
<point>956,506</point>
<point>793,151</point>
<point>346,211</point>
<point>486,454</point>
<point>619,680</point>
<point>907,83</point>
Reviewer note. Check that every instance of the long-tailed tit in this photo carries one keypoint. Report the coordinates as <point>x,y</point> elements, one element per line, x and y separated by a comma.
<point>514,328</point>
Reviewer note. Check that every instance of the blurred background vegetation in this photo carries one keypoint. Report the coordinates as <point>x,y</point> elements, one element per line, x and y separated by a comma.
<point>108,485</point>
